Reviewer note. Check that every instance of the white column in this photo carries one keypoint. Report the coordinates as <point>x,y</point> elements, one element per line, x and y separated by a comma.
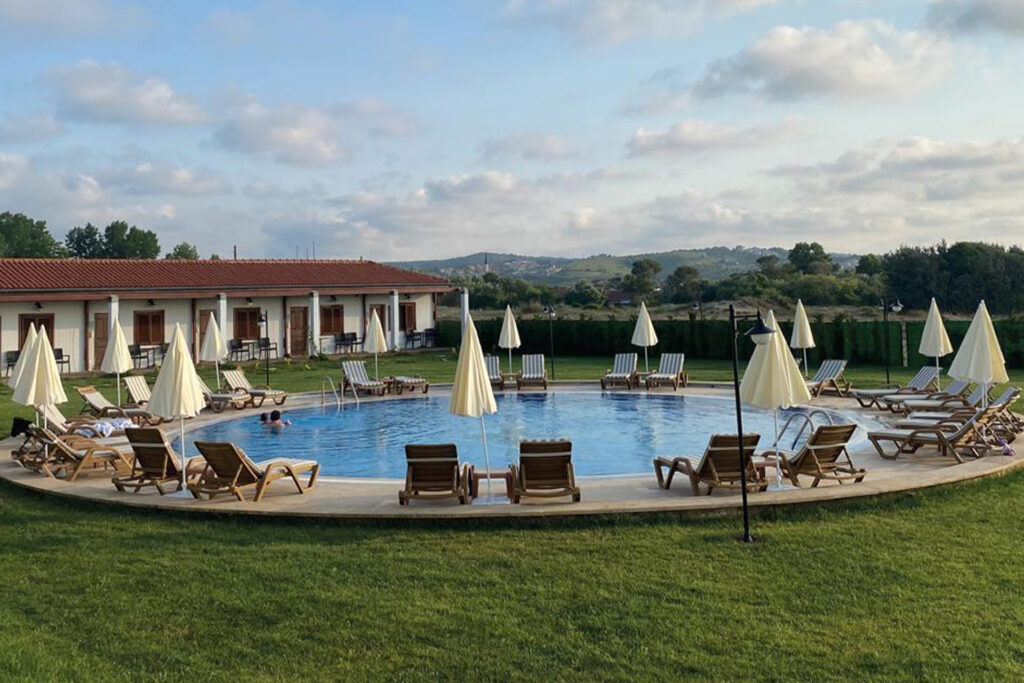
<point>222,316</point>
<point>394,320</point>
<point>314,322</point>
<point>113,310</point>
<point>464,298</point>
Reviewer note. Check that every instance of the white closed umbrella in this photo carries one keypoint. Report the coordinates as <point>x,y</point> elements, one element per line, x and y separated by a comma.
<point>979,358</point>
<point>215,349</point>
<point>472,395</point>
<point>802,337</point>
<point>117,358</point>
<point>772,380</point>
<point>644,334</point>
<point>509,337</point>
<point>375,341</point>
<point>934,340</point>
<point>19,365</point>
<point>39,384</point>
<point>177,392</point>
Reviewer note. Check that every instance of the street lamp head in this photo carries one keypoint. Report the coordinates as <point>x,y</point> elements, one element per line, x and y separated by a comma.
<point>897,307</point>
<point>695,306</point>
<point>760,333</point>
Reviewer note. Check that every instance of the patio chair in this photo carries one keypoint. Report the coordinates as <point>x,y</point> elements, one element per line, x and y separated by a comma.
<point>238,350</point>
<point>1004,422</point>
<point>229,470</point>
<point>217,401</point>
<point>533,373</point>
<point>63,360</point>
<point>267,348</point>
<point>830,377</point>
<point>954,392</point>
<point>545,470</point>
<point>494,372</point>
<point>718,467</point>
<point>823,456</point>
<point>354,373</point>
<point>156,464</point>
<point>238,382</point>
<point>434,472</point>
<point>923,381</point>
<point>97,405</point>
<point>940,401</point>
<point>10,360</point>
<point>410,383</point>
<point>670,371</point>
<point>140,357</point>
<point>430,337</point>
<point>951,437</point>
<point>623,372</point>
<point>138,390</point>
<point>70,456</point>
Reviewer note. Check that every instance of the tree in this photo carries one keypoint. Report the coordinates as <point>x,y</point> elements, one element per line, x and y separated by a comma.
<point>215,257</point>
<point>184,251</point>
<point>810,257</point>
<point>22,237</point>
<point>870,264</point>
<point>770,265</point>
<point>84,242</point>
<point>584,293</point>
<point>124,242</point>
<point>641,281</point>
<point>683,285</point>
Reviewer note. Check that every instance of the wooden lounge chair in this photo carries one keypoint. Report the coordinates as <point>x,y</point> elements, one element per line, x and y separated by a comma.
<point>830,378</point>
<point>545,470</point>
<point>81,425</point>
<point>229,470</point>
<point>670,371</point>
<point>533,373</point>
<point>138,390</point>
<point>494,372</point>
<point>954,391</point>
<point>97,405</point>
<point>940,401</point>
<point>237,381</point>
<point>71,455</point>
<point>354,372</point>
<point>951,437</point>
<point>1004,423</point>
<point>217,401</point>
<point>434,472</point>
<point>156,464</point>
<point>824,456</point>
<point>410,383</point>
<point>718,467</point>
<point>623,372</point>
<point>923,382</point>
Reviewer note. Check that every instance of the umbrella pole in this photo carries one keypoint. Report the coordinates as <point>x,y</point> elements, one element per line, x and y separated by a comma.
<point>487,459</point>
<point>376,371</point>
<point>184,463</point>
<point>807,374</point>
<point>647,368</point>
<point>938,379</point>
<point>778,456</point>
<point>119,390</point>
<point>510,360</point>
<point>216,371</point>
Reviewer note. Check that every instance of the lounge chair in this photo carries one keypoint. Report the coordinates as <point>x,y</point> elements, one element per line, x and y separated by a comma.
<point>229,470</point>
<point>494,372</point>
<point>156,464</point>
<point>670,371</point>
<point>355,376</point>
<point>217,401</point>
<point>823,456</point>
<point>97,405</point>
<point>545,470</point>
<point>954,392</point>
<point>405,382</point>
<point>1005,422</point>
<point>939,401</point>
<point>533,373</point>
<point>434,472</point>
<point>80,425</point>
<point>623,372</point>
<point>718,467</point>
<point>923,381</point>
<point>238,382</point>
<point>71,455</point>
<point>971,437</point>
<point>830,377</point>
<point>138,390</point>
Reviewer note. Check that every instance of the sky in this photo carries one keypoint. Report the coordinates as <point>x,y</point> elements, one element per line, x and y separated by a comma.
<point>411,130</point>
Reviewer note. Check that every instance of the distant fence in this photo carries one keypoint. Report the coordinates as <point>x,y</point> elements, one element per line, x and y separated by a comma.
<point>858,342</point>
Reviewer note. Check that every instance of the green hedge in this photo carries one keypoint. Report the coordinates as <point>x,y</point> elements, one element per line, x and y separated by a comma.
<point>858,342</point>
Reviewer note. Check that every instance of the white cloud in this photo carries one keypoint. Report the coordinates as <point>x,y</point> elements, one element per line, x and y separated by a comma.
<point>693,136</point>
<point>968,16</point>
<point>854,59</point>
<point>111,93</point>
<point>161,178</point>
<point>29,127</point>
<point>379,118</point>
<point>76,17</point>
<point>528,146</point>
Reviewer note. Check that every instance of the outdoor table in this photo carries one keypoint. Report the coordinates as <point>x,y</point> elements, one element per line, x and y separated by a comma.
<point>481,474</point>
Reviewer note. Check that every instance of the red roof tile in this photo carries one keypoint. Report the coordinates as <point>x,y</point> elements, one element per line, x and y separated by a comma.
<point>41,275</point>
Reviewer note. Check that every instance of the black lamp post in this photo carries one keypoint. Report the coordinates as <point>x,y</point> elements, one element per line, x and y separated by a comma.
<point>550,312</point>
<point>265,343</point>
<point>895,307</point>
<point>760,334</point>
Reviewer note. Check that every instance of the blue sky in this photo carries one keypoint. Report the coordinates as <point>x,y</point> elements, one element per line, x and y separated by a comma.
<point>397,130</point>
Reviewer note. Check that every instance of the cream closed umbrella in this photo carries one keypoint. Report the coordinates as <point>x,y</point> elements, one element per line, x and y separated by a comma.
<point>772,380</point>
<point>177,392</point>
<point>802,337</point>
<point>472,395</point>
<point>19,365</point>
<point>644,334</point>
<point>934,340</point>
<point>40,384</point>
<point>979,358</point>
<point>375,342</point>
<point>509,337</point>
<point>117,358</point>
<point>215,349</point>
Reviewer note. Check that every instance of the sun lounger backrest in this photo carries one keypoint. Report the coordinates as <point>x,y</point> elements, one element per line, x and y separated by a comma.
<point>1007,397</point>
<point>237,380</point>
<point>355,371</point>
<point>493,367</point>
<point>50,441</point>
<point>722,457</point>
<point>533,365</point>
<point>924,377</point>
<point>432,465</point>
<point>826,443</point>
<point>55,419</point>
<point>138,389</point>
<point>229,462</point>
<point>94,398</point>
<point>545,463</point>
<point>153,454</point>
<point>625,364</point>
<point>671,364</point>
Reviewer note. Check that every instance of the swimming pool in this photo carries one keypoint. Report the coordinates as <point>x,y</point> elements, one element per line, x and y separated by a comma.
<point>612,434</point>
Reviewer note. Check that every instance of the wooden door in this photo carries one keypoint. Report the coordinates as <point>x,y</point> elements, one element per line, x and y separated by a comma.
<point>101,331</point>
<point>40,320</point>
<point>298,326</point>
<point>204,321</point>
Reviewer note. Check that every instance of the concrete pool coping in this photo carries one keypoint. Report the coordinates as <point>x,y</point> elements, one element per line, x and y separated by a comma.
<point>361,498</point>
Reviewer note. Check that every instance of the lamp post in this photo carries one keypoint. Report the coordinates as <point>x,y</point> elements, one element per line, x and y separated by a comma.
<point>895,307</point>
<point>550,312</point>
<point>760,334</point>
<point>265,343</point>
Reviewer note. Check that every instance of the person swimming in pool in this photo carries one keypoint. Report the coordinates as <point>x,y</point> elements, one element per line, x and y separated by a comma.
<point>264,419</point>
<point>277,420</point>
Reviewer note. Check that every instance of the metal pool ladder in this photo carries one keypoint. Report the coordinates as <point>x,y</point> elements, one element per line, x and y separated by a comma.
<point>808,421</point>
<point>338,400</point>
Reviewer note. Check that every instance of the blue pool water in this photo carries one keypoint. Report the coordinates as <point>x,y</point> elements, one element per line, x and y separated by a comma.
<point>611,433</point>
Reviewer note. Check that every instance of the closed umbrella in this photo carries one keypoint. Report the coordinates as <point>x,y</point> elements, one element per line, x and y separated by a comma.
<point>934,340</point>
<point>375,341</point>
<point>644,334</point>
<point>117,358</point>
<point>215,349</point>
<point>40,384</point>
<point>177,391</point>
<point>472,395</point>
<point>19,365</point>
<point>509,337</point>
<point>772,380</point>
<point>802,337</point>
<point>979,358</point>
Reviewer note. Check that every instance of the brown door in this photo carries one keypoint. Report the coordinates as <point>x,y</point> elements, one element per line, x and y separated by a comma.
<point>298,324</point>
<point>101,327</point>
<point>204,320</point>
<point>383,313</point>
<point>40,320</point>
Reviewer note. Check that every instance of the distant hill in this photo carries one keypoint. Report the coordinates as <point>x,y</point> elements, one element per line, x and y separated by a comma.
<point>714,263</point>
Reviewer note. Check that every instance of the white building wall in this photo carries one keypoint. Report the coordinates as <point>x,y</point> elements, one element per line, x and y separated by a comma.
<point>68,322</point>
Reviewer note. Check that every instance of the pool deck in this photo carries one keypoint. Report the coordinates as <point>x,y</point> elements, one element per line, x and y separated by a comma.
<point>377,499</point>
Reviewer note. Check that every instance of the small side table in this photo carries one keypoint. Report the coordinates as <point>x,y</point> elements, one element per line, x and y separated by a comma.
<point>481,474</point>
